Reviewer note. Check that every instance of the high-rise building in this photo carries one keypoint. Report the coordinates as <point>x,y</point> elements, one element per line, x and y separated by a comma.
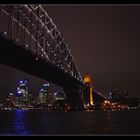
<point>18,99</point>
<point>23,88</point>
<point>44,93</point>
<point>46,88</point>
<point>59,96</point>
<point>41,96</point>
<point>11,98</point>
<point>30,99</point>
<point>22,96</point>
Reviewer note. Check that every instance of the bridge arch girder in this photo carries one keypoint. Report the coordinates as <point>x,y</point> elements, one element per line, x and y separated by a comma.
<point>33,28</point>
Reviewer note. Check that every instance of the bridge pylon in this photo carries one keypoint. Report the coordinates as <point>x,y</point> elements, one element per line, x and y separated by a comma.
<point>88,92</point>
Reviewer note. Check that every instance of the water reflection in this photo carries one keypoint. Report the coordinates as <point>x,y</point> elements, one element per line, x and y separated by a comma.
<point>19,126</point>
<point>46,123</point>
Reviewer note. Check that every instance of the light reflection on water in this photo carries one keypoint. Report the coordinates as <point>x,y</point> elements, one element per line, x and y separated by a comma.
<point>19,125</point>
<point>21,122</point>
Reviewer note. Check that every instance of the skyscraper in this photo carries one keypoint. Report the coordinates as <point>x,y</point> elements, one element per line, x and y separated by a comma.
<point>23,88</point>
<point>11,98</point>
<point>41,96</point>
<point>44,93</point>
<point>18,99</point>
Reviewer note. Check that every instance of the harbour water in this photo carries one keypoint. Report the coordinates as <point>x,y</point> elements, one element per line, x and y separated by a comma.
<point>21,122</point>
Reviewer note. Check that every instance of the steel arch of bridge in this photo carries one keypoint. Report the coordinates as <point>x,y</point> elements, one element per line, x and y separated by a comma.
<point>30,27</point>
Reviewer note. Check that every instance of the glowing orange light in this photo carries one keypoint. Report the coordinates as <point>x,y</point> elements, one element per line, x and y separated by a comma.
<point>105,102</point>
<point>87,79</point>
<point>91,96</point>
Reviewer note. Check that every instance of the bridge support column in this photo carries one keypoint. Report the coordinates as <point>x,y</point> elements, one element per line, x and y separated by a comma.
<point>74,98</point>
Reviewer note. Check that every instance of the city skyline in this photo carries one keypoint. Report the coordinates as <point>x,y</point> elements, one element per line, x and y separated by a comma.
<point>50,100</point>
<point>104,41</point>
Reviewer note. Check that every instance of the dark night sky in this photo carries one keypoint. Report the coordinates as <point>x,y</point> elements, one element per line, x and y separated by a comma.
<point>104,41</point>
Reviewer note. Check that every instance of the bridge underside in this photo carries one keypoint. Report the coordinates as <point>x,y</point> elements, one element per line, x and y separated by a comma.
<point>19,58</point>
<point>98,100</point>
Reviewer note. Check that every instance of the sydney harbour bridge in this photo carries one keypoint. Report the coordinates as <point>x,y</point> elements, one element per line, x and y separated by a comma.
<point>31,42</point>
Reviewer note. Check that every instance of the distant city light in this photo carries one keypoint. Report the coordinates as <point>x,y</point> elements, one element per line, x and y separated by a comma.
<point>105,102</point>
<point>18,88</point>
<point>46,84</point>
<point>26,46</point>
<point>11,94</point>
<point>19,92</point>
<point>55,93</point>
<point>41,90</point>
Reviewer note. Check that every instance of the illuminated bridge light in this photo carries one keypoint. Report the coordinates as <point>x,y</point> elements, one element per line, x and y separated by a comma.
<point>88,80</point>
<point>36,58</point>
<point>26,46</point>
